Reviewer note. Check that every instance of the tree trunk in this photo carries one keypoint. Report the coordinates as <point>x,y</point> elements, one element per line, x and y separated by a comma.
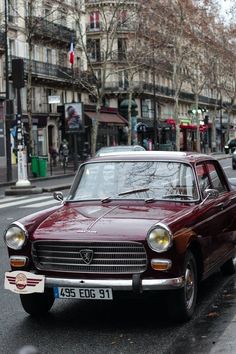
<point>176,118</point>
<point>130,132</point>
<point>198,147</point>
<point>94,130</point>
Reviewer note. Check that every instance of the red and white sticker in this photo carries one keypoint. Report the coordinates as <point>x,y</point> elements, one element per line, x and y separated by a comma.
<point>21,282</point>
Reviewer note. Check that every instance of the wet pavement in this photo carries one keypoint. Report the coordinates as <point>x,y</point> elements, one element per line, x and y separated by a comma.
<point>215,330</point>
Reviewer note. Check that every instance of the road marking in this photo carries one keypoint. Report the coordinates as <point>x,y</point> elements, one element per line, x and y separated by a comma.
<point>38,205</point>
<point>25,201</point>
<point>5,200</point>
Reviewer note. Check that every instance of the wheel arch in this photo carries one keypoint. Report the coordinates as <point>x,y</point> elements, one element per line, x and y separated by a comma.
<point>195,248</point>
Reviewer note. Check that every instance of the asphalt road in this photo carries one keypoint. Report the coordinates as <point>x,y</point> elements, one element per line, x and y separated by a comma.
<point>125,325</point>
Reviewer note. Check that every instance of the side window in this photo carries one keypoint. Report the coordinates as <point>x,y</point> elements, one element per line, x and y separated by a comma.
<point>216,179</point>
<point>203,177</point>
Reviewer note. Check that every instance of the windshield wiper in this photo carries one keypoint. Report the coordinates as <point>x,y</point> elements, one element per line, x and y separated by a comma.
<point>182,196</point>
<point>131,191</point>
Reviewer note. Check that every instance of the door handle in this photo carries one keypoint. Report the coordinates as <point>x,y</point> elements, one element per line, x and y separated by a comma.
<point>221,206</point>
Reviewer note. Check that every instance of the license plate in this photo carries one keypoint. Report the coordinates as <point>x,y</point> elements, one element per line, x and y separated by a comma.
<point>83,293</point>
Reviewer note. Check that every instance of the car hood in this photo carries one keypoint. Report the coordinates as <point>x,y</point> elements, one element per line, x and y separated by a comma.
<point>83,220</point>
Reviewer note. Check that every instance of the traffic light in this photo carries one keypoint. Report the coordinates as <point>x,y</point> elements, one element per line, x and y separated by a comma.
<point>18,80</point>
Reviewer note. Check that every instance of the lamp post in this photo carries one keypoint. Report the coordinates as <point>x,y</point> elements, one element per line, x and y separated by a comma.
<point>155,127</point>
<point>7,105</point>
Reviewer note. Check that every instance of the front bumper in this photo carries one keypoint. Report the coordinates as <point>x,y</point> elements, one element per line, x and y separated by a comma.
<point>135,284</point>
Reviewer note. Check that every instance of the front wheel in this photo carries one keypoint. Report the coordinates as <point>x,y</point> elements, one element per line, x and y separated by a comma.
<point>182,302</point>
<point>38,304</point>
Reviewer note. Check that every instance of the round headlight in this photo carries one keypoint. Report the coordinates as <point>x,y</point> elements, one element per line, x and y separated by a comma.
<point>159,238</point>
<point>15,237</point>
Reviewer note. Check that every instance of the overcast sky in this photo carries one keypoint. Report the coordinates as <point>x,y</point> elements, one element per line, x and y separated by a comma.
<point>225,7</point>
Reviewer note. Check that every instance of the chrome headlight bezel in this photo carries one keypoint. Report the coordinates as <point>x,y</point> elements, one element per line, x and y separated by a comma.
<point>160,238</point>
<point>15,236</point>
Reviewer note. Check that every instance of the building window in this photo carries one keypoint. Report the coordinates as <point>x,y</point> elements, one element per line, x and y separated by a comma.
<point>122,19</point>
<point>48,56</point>
<point>12,48</point>
<point>12,6</point>
<point>93,47</point>
<point>123,79</point>
<point>94,20</point>
<point>122,48</point>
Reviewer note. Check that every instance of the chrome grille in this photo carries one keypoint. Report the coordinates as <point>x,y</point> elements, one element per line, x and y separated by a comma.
<point>108,257</point>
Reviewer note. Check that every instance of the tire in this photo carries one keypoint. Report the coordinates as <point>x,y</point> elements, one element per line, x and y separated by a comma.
<point>182,302</point>
<point>38,304</point>
<point>228,268</point>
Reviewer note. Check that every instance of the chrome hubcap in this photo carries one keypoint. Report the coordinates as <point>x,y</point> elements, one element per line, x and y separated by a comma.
<point>189,286</point>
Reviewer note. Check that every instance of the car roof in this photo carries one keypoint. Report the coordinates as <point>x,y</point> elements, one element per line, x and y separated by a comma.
<point>151,155</point>
<point>110,149</point>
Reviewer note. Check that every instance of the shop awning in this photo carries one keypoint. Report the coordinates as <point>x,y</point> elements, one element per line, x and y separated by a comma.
<point>108,118</point>
<point>202,128</point>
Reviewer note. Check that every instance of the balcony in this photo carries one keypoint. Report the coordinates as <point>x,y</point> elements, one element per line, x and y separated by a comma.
<point>52,32</point>
<point>108,2</point>
<point>92,27</point>
<point>47,72</point>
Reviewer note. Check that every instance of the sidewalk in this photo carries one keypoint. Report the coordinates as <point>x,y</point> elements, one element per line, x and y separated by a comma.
<point>53,172</point>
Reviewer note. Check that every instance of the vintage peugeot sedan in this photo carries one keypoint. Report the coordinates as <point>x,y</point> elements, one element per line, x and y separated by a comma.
<point>137,222</point>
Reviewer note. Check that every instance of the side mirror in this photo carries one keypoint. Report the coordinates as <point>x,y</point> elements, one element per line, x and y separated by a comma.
<point>58,196</point>
<point>210,194</point>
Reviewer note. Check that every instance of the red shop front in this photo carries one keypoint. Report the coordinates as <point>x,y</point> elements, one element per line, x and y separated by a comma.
<point>188,136</point>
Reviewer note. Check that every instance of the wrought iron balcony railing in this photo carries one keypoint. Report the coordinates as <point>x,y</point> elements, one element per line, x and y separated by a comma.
<point>98,2</point>
<point>43,28</point>
<point>47,70</point>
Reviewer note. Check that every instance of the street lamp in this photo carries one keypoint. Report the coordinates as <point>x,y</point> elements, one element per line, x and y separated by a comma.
<point>7,102</point>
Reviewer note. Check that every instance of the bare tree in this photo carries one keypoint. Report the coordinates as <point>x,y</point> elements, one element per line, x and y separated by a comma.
<point>110,55</point>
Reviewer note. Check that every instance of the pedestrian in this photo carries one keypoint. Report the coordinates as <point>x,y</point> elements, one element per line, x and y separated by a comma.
<point>64,152</point>
<point>53,153</point>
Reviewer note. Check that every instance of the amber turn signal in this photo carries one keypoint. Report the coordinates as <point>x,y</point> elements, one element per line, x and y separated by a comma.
<point>161,264</point>
<point>18,261</point>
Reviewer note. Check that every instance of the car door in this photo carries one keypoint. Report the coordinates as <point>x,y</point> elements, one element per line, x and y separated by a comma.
<point>218,212</point>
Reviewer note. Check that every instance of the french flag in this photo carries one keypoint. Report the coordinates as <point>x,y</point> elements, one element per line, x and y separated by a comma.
<point>72,54</point>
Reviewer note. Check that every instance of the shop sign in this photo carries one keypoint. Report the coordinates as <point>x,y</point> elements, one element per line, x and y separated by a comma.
<point>54,99</point>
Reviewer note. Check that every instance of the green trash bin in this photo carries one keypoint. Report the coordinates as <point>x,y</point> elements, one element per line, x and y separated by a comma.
<point>35,166</point>
<point>43,166</point>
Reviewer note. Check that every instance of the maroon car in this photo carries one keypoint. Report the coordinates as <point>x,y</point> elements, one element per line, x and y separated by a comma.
<point>138,221</point>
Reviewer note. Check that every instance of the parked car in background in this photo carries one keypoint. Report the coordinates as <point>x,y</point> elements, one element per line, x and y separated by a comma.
<point>230,146</point>
<point>232,181</point>
<point>118,148</point>
<point>234,160</point>
<point>133,222</point>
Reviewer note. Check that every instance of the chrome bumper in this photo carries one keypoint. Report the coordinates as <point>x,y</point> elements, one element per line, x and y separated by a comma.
<point>116,284</point>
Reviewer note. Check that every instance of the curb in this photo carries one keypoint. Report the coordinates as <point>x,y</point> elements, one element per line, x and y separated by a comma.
<point>11,183</point>
<point>56,188</point>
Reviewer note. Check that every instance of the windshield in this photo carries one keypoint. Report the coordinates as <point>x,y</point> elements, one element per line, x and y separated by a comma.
<point>135,180</point>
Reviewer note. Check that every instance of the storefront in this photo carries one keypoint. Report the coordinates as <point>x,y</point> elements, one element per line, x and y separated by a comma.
<point>188,135</point>
<point>112,127</point>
